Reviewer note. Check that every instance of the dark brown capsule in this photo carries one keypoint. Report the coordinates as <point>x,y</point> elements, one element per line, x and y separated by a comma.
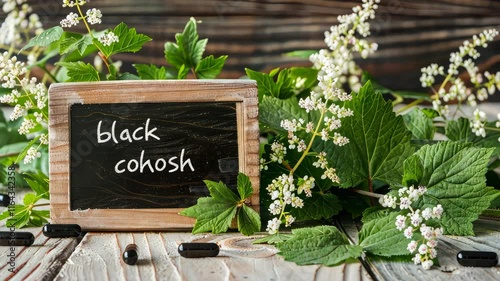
<point>477,258</point>
<point>16,238</point>
<point>131,254</point>
<point>198,250</point>
<point>61,230</point>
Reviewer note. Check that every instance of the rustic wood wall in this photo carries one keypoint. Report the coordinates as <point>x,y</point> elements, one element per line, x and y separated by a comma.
<point>255,34</point>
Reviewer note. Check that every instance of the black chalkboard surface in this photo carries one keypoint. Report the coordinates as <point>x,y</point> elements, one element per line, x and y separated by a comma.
<point>150,155</point>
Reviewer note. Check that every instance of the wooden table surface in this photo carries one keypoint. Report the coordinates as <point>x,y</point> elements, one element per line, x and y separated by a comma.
<point>97,256</point>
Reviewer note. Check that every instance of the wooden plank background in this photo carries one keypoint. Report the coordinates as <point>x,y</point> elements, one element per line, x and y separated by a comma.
<point>255,34</point>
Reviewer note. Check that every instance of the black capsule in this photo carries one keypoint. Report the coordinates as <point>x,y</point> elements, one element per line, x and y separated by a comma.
<point>130,255</point>
<point>16,238</point>
<point>198,250</point>
<point>61,230</point>
<point>477,258</point>
<point>4,200</point>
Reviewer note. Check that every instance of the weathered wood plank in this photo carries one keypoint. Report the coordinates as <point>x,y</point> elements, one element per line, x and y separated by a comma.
<point>40,261</point>
<point>486,239</point>
<point>99,257</point>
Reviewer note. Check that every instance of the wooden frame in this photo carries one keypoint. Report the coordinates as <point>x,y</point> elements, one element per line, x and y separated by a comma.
<point>63,95</point>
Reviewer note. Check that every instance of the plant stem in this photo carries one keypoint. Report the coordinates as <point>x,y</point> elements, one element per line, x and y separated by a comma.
<point>41,205</point>
<point>48,73</point>
<point>368,193</point>
<point>410,105</point>
<point>310,143</point>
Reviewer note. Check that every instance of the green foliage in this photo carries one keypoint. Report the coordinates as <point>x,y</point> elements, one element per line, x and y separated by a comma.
<point>187,55</point>
<point>129,41</point>
<point>150,72</point>
<point>318,245</point>
<point>454,174</point>
<point>459,130</point>
<point>379,141</point>
<point>319,206</point>
<point>216,213</point>
<point>80,71</point>
<point>420,125</point>
<point>45,38</point>
<point>379,236</point>
<point>282,88</point>
<point>25,214</point>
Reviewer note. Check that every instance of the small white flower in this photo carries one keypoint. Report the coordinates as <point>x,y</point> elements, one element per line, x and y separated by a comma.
<point>289,220</point>
<point>412,246</point>
<point>422,249</point>
<point>408,233</point>
<point>437,211</point>
<point>70,20</point>
<point>273,226</point>
<point>427,264</point>
<point>108,38</point>
<point>94,16</point>
<point>400,222</point>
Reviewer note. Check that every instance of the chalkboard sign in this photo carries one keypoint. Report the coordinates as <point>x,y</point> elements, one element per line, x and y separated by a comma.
<point>130,155</point>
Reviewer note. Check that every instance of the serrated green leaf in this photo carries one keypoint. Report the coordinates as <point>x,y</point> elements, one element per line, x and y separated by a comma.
<point>319,206</point>
<point>420,125</point>
<point>282,88</point>
<point>413,171</point>
<point>70,42</point>
<point>129,41</point>
<point>150,71</point>
<point>29,199</point>
<point>454,174</point>
<point>21,217</point>
<point>80,72</point>
<point>210,67</point>
<point>183,72</point>
<point>380,236</point>
<point>324,245</point>
<point>187,50</point>
<point>211,215</point>
<point>248,220</point>
<point>378,141</point>
<point>459,130</point>
<point>273,110</point>
<point>245,188</point>
<point>219,190</point>
<point>45,38</point>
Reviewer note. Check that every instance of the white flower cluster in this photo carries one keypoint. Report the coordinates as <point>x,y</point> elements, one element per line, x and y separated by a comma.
<point>284,192</point>
<point>92,16</point>
<point>12,75</point>
<point>414,221</point>
<point>108,38</point>
<point>20,21</point>
<point>336,64</point>
<point>67,3</point>
<point>483,84</point>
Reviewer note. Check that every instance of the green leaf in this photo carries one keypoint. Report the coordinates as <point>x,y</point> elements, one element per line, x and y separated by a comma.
<point>380,236</point>
<point>150,72</point>
<point>304,54</point>
<point>413,171</point>
<point>13,148</point>
<point>318,245</point>
<point>70,42</point>
<point>459,130</point>
<point>39,183</point>
<point>245,189</point>
<point>319,206</point>
<point>187,50</point>
<point>45,38</point>
<point>183,72</point>
<point>21,217</point>
<point>211,214</point>
<point>282,88</point>
<point>273,110</point>
<point>454,174</point>
<point>80,72</point>
<point>29,199</point>
<point>248,220</point>
<point>420,125</point>
<point>378,141</point>
<point>220,191</point>
<point>210,67</point>
<point>129,41</point>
